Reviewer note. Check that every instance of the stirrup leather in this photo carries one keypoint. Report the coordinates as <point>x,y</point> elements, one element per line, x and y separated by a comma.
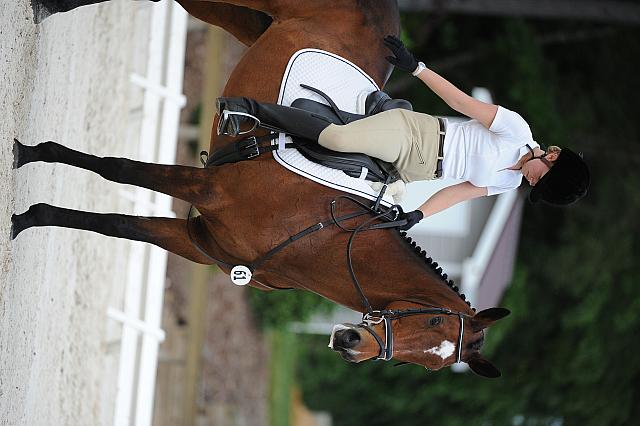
<point>228,126</point>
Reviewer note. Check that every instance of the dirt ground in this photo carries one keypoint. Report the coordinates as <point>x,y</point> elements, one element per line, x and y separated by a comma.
<point>67,80</point>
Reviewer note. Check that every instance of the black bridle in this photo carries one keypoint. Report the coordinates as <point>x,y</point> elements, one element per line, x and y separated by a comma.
<point>388,316</point>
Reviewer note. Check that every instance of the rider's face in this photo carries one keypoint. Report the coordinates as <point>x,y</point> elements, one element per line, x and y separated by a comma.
<point>534,170</point>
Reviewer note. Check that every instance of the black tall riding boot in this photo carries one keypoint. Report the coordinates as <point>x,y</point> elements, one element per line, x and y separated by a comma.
<point>42,9</point>
<point>234,112</point>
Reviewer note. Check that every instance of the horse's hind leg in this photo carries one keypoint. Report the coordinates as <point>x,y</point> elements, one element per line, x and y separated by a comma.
<point>243,23</point>
<point>170,234</point>
<point>42,9</point>
<point>191,184</point>
<point>282,9</point>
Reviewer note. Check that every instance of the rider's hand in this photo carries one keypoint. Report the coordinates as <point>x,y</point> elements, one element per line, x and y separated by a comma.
<point>403,59</point>
<point>412,218</point>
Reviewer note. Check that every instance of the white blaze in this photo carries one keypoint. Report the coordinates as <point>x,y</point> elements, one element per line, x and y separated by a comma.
<point>444,351</point>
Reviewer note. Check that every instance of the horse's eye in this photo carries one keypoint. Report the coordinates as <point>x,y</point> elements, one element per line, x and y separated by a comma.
<point>435,321</point>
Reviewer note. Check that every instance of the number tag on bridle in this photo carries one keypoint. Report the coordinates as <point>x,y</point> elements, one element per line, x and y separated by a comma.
<point>240,275</point>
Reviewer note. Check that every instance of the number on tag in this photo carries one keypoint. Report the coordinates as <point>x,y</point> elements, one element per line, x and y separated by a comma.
<point>240,275</point>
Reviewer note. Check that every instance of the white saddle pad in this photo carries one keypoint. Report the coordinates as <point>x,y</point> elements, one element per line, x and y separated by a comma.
<point>343,81</point>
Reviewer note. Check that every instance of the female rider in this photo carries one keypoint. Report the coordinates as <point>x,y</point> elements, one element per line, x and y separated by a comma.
<point>490,153</point>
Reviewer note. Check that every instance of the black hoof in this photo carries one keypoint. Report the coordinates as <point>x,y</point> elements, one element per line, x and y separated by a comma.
<point>16,153</point>
<point>26,220</point>
<point>40,10</point>
<point>15,226</point>
<point>23,154</point>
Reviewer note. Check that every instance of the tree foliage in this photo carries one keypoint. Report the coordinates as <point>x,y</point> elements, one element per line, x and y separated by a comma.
<point>279,308</point>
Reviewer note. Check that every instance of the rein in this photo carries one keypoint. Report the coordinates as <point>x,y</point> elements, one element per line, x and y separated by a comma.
<point>389,214</point>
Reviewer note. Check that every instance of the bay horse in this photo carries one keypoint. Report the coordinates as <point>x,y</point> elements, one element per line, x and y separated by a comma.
<point>414,314</point>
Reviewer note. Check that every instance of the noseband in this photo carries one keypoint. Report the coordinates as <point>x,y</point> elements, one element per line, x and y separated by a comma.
<point>388,316</point>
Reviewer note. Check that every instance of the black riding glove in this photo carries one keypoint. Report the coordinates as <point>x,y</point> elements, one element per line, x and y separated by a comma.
<point>412,218</point>
<point>403,59</point>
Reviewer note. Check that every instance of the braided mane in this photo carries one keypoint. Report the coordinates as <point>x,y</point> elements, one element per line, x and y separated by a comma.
<point>434,266</point>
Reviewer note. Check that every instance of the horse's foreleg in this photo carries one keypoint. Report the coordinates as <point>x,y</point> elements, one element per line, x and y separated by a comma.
<point>192,184</point>
<point>243,23</point>
<point>170,234</point>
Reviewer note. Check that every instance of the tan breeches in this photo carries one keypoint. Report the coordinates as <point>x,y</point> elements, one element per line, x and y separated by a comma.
<point>407,139</point>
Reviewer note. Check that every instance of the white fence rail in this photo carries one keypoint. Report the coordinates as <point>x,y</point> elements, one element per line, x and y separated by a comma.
<point>143,299</point>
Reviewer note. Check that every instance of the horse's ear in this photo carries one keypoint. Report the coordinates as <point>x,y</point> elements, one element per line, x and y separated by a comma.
<point>482,367</point>
<point>484,319</point>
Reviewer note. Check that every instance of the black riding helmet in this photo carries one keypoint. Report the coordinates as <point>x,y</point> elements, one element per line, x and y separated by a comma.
<point>565,183</point>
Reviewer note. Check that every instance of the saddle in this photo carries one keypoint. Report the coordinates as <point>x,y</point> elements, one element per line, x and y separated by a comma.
<point>353,164</point>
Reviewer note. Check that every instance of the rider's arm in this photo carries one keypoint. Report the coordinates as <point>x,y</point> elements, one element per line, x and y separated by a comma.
<point>457,99</point>
<point>450,196</point>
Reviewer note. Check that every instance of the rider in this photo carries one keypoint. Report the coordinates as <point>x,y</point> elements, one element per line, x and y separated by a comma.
<point>490,153</point>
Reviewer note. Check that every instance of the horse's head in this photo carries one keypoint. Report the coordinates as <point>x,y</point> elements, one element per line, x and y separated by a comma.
<point>417,334</point>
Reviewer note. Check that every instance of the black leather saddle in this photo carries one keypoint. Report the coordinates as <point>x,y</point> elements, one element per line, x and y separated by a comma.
<point>353,164</point>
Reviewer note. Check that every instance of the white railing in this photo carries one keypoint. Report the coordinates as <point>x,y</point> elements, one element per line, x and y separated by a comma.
<point>143,298</point>
<point>474,267</point>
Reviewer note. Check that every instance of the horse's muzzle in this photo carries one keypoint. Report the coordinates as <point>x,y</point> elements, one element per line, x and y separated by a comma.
<point>344,338</point>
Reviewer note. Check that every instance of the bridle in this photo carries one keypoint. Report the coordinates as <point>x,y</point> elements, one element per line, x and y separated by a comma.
<point>388,316</point>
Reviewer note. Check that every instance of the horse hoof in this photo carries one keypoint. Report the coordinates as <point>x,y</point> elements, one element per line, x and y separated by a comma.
<point>40,11</point>
<point>15,229</point>
<point>17,154</point>
<point>26,220</point>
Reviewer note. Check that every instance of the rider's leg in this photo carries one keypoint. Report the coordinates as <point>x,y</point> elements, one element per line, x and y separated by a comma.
<point>383,136</point>
<point>294,121</point>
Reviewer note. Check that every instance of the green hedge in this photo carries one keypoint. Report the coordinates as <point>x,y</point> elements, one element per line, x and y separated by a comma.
<point>276,309</point>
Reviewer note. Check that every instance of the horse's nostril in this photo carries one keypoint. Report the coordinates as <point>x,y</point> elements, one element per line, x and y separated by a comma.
<point>353,336</point>
<point>347,338</point>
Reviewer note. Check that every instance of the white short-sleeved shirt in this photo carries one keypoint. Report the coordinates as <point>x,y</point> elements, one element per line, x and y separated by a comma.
<point>483,156</point>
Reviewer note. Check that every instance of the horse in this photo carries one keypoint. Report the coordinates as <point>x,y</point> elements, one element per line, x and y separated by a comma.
<point>412,313</point>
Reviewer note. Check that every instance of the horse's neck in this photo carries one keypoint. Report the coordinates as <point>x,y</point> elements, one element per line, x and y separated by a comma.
<point>404,273</point>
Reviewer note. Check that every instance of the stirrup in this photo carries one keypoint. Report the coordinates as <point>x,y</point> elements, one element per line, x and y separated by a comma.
<point>227,126</point>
